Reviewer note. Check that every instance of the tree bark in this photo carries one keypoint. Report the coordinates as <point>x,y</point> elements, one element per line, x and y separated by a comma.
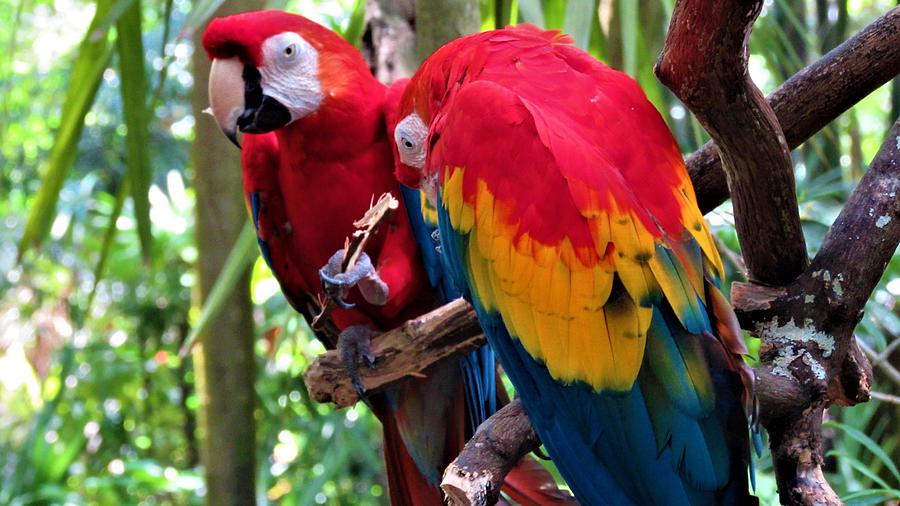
<point>476,476</point>
<point>440,21</point>
<point>704,63</point>
<point>809,358</point>
<point>224,360</point>
<point>404,352</point>
<point>814,97</point>
<point>390,40</point>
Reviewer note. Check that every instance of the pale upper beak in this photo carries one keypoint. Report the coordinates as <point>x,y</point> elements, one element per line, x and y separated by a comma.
<point>226,95</point>
<point>238,102</point>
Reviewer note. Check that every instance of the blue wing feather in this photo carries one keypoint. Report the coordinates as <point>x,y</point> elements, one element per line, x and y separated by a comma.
<point>255,207</point>
<point>478,367</point>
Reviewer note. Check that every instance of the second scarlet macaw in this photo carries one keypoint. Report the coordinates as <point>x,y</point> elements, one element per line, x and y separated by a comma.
<point>566,210</point>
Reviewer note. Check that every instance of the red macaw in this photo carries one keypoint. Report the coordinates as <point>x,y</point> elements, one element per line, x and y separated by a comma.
<point>566,211</point>
<point>315,151</point>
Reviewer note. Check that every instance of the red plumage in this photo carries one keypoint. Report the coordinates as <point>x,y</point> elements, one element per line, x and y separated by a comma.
<point>305,184</point>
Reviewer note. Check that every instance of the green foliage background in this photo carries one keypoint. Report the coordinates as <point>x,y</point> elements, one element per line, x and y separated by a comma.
<point>96,407</point>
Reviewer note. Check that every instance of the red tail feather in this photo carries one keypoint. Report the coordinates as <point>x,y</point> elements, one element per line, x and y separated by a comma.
<point>406,485</point>
<point>729,334</point>
<point>530,484</point>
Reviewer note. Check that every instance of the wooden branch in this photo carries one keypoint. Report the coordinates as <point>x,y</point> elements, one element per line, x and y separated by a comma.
<point>704,62</point>
<point>389,43</point>
<point>809,357</point>
<point>407,351</point>
<point>476,476</point>
<point>814,97</point>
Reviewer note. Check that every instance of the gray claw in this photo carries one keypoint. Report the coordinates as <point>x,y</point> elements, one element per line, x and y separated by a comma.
<point>336,284</point>
<point>353,347</point>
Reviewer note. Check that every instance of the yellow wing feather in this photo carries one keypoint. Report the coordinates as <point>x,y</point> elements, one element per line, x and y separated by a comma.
<point>566,313</point>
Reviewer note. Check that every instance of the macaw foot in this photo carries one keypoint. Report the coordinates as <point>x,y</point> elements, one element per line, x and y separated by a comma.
<point>353,347</point>
<point>363,274</point>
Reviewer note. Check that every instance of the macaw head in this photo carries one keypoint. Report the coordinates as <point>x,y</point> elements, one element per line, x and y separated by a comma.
<point>270,68</point>
<point>412,134</point>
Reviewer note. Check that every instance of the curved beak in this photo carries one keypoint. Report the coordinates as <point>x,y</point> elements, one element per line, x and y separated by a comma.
<point>237,101</point>
<point>226,95</point>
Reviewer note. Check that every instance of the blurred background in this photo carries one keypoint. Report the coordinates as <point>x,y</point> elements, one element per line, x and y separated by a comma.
<point>120,241</point>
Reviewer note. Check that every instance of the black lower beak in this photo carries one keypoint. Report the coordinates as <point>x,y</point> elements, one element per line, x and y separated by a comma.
<point>269,115</point>
<point>262,113</point>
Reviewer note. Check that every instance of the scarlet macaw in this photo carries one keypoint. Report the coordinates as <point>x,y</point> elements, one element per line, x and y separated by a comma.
<point>565,209</point>
<point>316,150</point>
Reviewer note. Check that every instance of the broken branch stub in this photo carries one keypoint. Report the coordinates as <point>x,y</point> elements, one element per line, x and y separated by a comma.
<point>475,477</point>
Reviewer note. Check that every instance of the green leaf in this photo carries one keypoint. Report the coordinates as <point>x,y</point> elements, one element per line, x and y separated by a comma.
<point>134,108</point>
<point>112,17</point>
<point>6,68</point>
<point>872,446</point>
<point>354,31</point>
<point>87,72</point>
<point>241,258</point>
<point>872,496</point>
<point>554,13</point>
<point>580,15</point>
<point>167,59</point>
<point>859,467</point>
<point>628,13</point>
<point>488,14</point>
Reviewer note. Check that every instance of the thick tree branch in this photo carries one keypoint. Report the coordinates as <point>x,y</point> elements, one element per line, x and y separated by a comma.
<point>476,476</point>
<point>704,62</point>
<point>814,97</point>
<point>389,43</point>
<point>809,358</point>
<point>409,350</point>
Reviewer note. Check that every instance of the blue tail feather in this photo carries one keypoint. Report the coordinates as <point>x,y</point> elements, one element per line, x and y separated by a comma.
<point>478,368</point>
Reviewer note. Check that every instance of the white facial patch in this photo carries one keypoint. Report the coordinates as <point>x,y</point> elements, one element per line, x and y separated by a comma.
<point>290,73</point>
<point>410,136</point>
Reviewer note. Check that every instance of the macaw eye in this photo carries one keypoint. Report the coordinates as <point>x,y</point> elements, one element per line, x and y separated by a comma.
<point>406,142</point>
<point>290,50</point>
